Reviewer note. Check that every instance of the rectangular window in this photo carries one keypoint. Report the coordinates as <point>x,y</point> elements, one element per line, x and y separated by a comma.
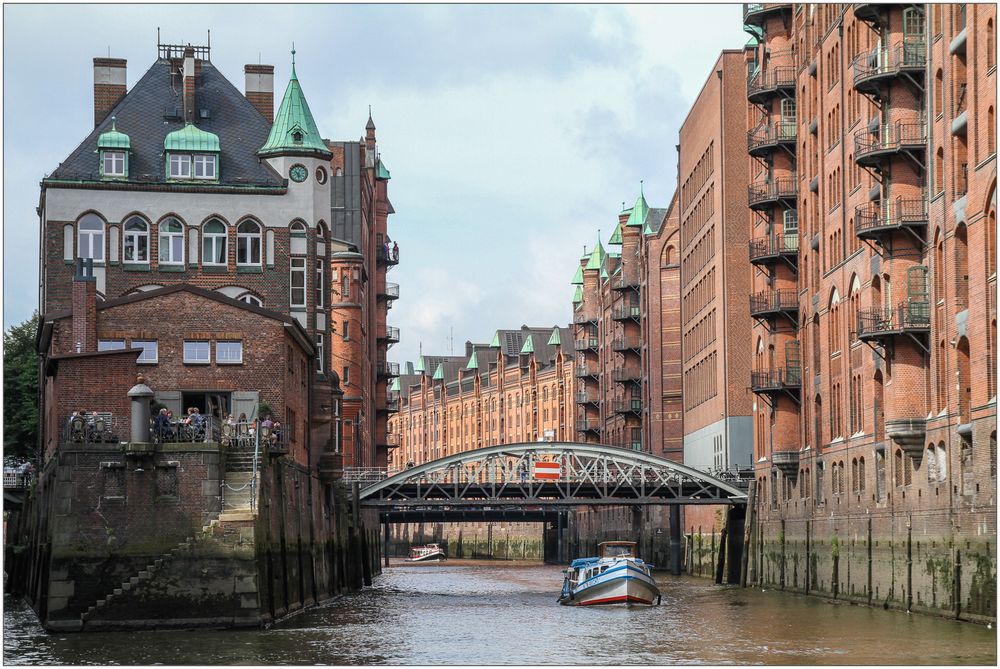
<point>180,166</point>
<point>319,352</point>
<point>229,352</point>
<point>204,166</point>
<point>297,287</point>
<point>319,283</point>
<point>345,290</point>
<point>197,352</point>
<point>110,344</point>
<point>150,351</point>
<point>346,376</point>
<point>114,163</point>
<point>346,332</point>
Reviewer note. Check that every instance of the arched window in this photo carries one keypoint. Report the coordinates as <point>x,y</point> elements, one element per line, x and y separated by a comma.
<point>250,298</point>
<point>90,238</point>
<point>938,93</point>
<point>214,243</point>
<point>298,227</point>
<point>248,243</point>
<point>942,462</point>
<point>991,131</point>
<point>932,467</point>
<point>861,475</point>
<point>991,57</point>
<point>171,242</point>
<point>135,242</point>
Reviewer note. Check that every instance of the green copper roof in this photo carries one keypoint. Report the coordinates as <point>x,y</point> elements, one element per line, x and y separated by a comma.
<point>555,339</point>
<point>604,274</point>
<point>381,172</point>
<point>496,340</point>
<point>616,236</point>
<point>638,216</point>
<point>529,345</point>
<point>293,130</point>
<point>612,254</point>
<point>190,138</point>
<point>597,256</point>
<point>421,366</point>
<point>578,277</point>
<point>439,373</point>
<point>473,362</point>
<point>394,385</point>
<point>578,295</point>
<point>112,139</point>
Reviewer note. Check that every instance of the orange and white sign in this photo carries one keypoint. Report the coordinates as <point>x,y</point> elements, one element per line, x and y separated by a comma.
<point>547,470</point>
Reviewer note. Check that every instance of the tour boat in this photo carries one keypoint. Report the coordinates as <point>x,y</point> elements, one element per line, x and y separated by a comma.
<point>426,553</point>
<point>617,576</point>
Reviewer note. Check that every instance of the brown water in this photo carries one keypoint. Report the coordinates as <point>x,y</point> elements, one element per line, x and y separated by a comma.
<point>496,613</point>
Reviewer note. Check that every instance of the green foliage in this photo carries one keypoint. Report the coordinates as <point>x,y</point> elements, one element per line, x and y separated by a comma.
<point>263,409</point>
<point>835,546</point>
<point>20,390</point>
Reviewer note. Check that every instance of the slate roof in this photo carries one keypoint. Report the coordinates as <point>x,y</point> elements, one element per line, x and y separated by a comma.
<point>241,129</point>
<point>654,220</point>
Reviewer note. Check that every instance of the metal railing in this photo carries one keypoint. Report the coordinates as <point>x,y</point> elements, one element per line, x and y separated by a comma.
<point>781,188</point>
<point>626,344</point>
<point>387,256</point>
<point>95,428</point>
<point>627,312</point>
<point>890,61</point>
<point>780,378</point>
<point>754,10</point>
<point>626,374</point>
<point>875,217</point>
<point>588,425</point>
<point>584,397</point>
<point>194,429</point>
<point>624,281</point>
<point>16,479</point>
<point>584,317</point>
<point>581,371</point>
<point>912,315</point>
<point>368,474</point>
<point>773,246</point>
<point>769,301</point>
<point>891,138</point>
<point>770,80</point>
<point>390,334</point>
<point>586,344</point>
<point>771,134</point>
<point>391,291</point>
<point>632,405</point>
<point>386,368</point>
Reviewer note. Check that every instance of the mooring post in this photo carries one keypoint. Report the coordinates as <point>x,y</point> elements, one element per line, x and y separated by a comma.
<point>675,539</point>
<point>748,532</point>
<point>385,542</point>
<point>559,547</point>
<point>721,558</point>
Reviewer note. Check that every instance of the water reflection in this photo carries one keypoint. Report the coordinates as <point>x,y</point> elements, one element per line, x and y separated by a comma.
<point>503,614</point>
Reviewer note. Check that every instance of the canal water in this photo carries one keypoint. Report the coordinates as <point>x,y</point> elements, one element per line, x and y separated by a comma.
<point>504,613</point>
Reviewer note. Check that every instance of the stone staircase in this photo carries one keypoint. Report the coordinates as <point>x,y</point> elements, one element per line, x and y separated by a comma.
<point>237,488</point>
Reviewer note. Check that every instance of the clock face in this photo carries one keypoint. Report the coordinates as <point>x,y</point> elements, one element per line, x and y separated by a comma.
<point>298,173</point>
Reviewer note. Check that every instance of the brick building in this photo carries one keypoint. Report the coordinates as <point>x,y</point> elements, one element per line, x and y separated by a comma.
<point>872,138</point>
<point>517,388</point>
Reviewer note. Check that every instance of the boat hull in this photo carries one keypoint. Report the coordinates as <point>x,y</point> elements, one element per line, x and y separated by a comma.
<point>433,557</point>
<point>629,586</point>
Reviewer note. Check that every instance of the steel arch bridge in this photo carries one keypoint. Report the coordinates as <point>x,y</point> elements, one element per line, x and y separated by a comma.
<point>581,474</point>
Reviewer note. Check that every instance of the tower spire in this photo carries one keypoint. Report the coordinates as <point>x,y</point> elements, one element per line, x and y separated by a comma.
<point>293,61</point>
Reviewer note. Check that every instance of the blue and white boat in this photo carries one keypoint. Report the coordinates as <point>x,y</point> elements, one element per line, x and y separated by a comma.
<point>616,576</point>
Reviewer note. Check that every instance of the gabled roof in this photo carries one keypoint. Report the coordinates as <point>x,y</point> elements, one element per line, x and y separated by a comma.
<point>554,338</point>
<point>146,115</point>
<point>473,362</point>
<point>529,346</point>
<point>654,220</point>
<point>294,130</point>
<point>439,373</point>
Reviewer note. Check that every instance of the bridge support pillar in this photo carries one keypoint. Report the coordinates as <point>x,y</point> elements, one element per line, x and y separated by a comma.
<point>675,539</point>
<point>735,520</point>
<point>385,542</point>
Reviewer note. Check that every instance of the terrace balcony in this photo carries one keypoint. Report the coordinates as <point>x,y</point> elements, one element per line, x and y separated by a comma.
<point>626,375</point>
<point>909,139</point>
<point>767,136</point>
<point>765,83</point>
<point>773,303</point>
<point>768,250</point>
<point>588,425</point>
<point>385,256</point>
<point>386,369</point>
<point>586,371</point>
<point>584,317</point>
<point>756,13</point>
<point>910,318</point>
<point>585,397</point>
<point>776,381</point>
<point>762,195</point>
<point>388,441</point>
<point>389,292</point>
<point>629,406</point>
<point>873,220</point>
<point>628,312</point>
<point>625,281</point>
<point>389,334</point>
<point>622,344</point>
<point>587,344</point>
<point>880,67</point>
<point>391,404</point>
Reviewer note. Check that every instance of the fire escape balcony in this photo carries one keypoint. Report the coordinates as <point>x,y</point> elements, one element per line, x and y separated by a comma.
<point>624,281</point>
<point>584,317</point>
<point>588,425</point>
<point>387,257</point>
<point>768,82</point>
<point>873,220</point>
<point>879,67</point>
<point>586,371</point>
<point>626,375</point>
<point>756,13</point>
<point>388,441</point>
<point>909,139</point>
<point>629,406</point>
<point>870,11</point>
<point>772,303</point>
<point>584,397</point>
<point>390,292</point>
<point>779,380</point>
<point>588,344</point>
<point>911,318</point>
<point>622,344</point>
<point>772,248</point>
<point>762,195</point>
<point>766,137</point>
<point>391,403</point>
<point>386,369</point>
<point>629,312</point>
<point>389,335</point>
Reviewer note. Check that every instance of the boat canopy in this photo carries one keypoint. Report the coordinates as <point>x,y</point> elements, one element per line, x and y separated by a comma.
<point>583,562</point>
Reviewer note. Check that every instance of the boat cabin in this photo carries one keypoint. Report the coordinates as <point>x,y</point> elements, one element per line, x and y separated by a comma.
<point>616,549</point>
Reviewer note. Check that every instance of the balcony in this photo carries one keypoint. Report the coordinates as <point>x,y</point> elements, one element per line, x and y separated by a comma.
<point>786,461</point>
<point>387,369</point>
<point>870,11</point>
<point>629,312</point>
<point>586,371</point>
<point>391,404</point>
<point>892,140</point>
<point>629,406</point>
<point>770,249</point>
<point>756,13</point>
<point>624,281</point>
<point>588,425</point>
<point>880,67</point>
<point>584,317</point>
<point>765,83</point>
<point>771,303</point>
<point>622,344</point>
<point>388,441</point>
<point>911,318</point>
<point>766,137</point>
<point>387,256</point>
<point>390,292</point>
<point>872,220</point>
<point>778,380</point>
<point>626,375</point>
<point>588,344</point>
<point>763,195</point>
<point>584,397</point>
<point>389,334</point>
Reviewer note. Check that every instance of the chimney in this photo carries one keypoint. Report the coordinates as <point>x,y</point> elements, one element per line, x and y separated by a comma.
<point>190,113</point>
<point>109,86</point>
<point>84,307</point>
<point>260,89</point>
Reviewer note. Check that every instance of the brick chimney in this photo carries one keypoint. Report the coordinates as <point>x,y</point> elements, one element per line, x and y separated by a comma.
<point>84,307</point>
<point>260,89</point>
<point>190,113</point>
<point>109,86</point>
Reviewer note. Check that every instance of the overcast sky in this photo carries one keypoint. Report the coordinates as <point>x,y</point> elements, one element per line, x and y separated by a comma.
<point>513,132</point>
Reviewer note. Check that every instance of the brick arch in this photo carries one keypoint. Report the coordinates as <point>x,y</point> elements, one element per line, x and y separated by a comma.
<point>219,217</point>
<point>139,214</point>
<point>249,217</point>
<point>174,215</point>
<point>88,212</point>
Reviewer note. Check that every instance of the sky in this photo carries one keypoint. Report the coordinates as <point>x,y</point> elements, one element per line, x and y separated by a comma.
<point>513,132</point>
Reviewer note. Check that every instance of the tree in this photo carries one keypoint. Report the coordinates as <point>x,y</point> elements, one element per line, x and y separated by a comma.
<point>20,390</point>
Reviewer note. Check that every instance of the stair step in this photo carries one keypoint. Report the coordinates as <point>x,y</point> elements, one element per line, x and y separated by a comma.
<point>100,603</point>
<point>127,586</point>
<point>116,591</point>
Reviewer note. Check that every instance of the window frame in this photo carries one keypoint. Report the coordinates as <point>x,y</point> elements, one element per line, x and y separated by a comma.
<point>136,238</point>
<point>142,360</point>
<point>223,345</point>
<point>245,244</point>
<point>201,161</point>
<point>214,238</point>
<point>166,239</point>
<point>197,361</point>
<point>94,237</point>
<point>175,161</point>
<point>110,344</point>
<point>297,266</point>
<point>114,157</point>
<point>318,288</point>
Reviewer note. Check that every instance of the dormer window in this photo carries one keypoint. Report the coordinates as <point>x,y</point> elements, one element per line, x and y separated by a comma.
<point>192,153</point>
<point>204,166</point>
<point>113,147</point>
<point>297,137</point>
<point>180,166</point>
<point>114,164</point>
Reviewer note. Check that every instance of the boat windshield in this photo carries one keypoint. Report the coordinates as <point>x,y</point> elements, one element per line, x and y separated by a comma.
<point>617,550</point>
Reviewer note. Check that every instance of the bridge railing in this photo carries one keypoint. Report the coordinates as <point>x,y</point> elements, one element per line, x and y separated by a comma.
<point>368,474</point>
